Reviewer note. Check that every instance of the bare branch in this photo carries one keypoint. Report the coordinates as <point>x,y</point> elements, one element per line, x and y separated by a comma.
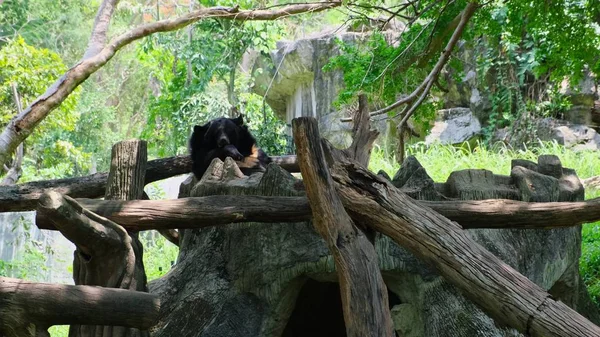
<point>101,24</point>
<point>14,172</point>
<point>435,72</point>
<point>433,75</point>
<point>20,127</point>
<point>424,87</point>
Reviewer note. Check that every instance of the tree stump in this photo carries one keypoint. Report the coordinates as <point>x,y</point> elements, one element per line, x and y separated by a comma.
<point>121,266</point>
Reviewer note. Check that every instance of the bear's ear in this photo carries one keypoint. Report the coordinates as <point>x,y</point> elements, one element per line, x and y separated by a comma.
<point>239,120</point>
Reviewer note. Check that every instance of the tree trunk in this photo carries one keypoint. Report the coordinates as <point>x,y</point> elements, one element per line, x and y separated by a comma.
<point>126,271</point>
<point>42,304</point>
<point>363,137</point>
<point>507,296</point>
<point>364,295</point>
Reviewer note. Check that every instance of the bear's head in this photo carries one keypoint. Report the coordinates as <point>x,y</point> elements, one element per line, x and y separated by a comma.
<point>220,132</point>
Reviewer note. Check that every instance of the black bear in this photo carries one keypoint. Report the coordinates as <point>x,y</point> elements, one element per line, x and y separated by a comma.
<point>222,138</point>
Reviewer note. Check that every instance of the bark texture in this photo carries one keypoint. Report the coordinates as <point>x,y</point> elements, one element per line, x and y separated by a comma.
<point>363,293</point>
<point>24,197</point>
<point>198,212</point>
<point>27,308</point>
<point>222,287</point>
<point>121,265</point>
<point>269,280</point>
<point>195,212</point>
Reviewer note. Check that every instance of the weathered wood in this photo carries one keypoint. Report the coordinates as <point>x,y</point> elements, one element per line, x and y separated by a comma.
<point>194,212</point>
<point>364,295</point>
<point>24,197</point>
<point>121,268</point>
<point>127,171</point>
<point>42,304</point>
<point>507,296</point>
<point>223,209</point>
<point>363,137</point>
<point>502,213</point>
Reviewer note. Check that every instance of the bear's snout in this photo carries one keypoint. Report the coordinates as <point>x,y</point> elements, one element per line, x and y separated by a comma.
<point>223,141</point>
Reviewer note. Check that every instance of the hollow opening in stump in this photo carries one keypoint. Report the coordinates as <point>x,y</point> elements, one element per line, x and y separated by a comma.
<point>318,311</point>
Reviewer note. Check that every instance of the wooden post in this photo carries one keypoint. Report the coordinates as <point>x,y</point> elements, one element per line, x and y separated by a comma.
<point>363,293</point>
<point>507,296</point>
<point>28,308</point>
<point>124,267</point>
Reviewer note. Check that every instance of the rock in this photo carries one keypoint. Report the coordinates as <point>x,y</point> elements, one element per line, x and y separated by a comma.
<point>454,126</point>
<point>582,96</point>
<point>577,137</point>
<point>295,85</point>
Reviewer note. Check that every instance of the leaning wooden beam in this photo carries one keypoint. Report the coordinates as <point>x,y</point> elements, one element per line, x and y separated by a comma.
<point>24,197</point>
<point>23,303</point>
<point>193,212</point>
<point>364,295</point>
<point>507,296</point>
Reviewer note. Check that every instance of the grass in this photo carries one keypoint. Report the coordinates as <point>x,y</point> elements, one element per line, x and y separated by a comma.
<point>441,160</point>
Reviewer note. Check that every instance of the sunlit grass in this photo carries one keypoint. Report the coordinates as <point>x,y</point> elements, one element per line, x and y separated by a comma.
<point>441,160</point>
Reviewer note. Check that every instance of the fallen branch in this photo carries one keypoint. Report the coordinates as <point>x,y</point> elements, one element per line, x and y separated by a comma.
<point>97,55</point>
<point>504,294</point>
<point>517,214</point>
<point>24,197</point>
<point>23,303</point>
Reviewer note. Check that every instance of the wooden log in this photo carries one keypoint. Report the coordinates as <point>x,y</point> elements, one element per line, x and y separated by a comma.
<point>364,295</point>
<point>507,296</point>
<point>500,213</point>
<point>223,209</point>
<point>24,197</point>
<point>43,304</point>
<point>195,212</point>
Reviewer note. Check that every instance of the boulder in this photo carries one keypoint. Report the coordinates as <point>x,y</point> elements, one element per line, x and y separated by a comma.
<point>294,84</point>
<point>454,126</point>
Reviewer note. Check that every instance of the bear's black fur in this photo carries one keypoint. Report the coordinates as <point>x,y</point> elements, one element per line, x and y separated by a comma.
<point>222,138</point>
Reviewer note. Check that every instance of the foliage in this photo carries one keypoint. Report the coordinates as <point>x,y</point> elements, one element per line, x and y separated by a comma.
<point>520,66</point>
<point>201,82</point>
<point>525,48</point>
<point>42,24</point>
<point>31,265</point>
<point>32,70</point>
<point>159,255</point>
<point>59,331</point>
